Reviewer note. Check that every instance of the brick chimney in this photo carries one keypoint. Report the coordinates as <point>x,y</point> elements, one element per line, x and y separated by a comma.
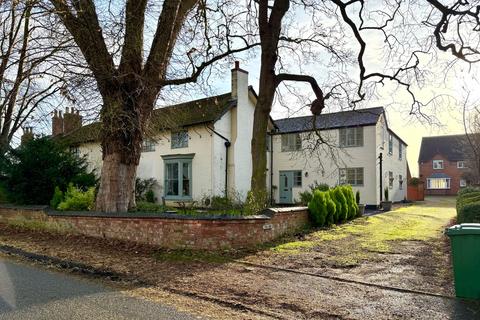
<point>27,135</point>
<point>57,123</point>
<point>70,121</point>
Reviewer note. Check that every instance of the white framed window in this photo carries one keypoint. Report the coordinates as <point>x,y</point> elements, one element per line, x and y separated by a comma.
<point>437,164</point>
<point>291,142</point>
<point>179,139</point>
<point>400,150</point>
<point>178,178</point>
<point>438,183</point>
<point>463,183</point>
<point>297,178</point>
<point>148,145</point>
<point>390,179</point>
<point>390,144</point>
<point>351,137</point>
<point>461,164</point>
<point>400,182</point>
<point>351,176</point>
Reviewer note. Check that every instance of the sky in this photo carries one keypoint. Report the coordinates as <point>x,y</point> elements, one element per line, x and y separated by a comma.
<point>449,83</point>
<point>442,118</point>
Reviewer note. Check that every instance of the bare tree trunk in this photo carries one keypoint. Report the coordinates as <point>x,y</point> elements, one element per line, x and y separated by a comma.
<point>117,185</point>
<point>260,123</point>
<point>123,122</point>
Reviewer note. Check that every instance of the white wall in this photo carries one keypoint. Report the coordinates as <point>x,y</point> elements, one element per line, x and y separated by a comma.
<point>322,165</point>
<point>204,182</point>
<point>391,162</point>
<point>93,153</point>
<point>242,137</point>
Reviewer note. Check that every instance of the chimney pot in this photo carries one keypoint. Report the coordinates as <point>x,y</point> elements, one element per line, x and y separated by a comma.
<point>67,109</point>
<point>237,64</point>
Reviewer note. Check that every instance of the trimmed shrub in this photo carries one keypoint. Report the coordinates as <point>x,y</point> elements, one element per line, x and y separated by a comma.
<point>470,213</point>
<point>357,197</point>
<point>341,204</point>
<point>318,208</point>
<point>467,190</point>
<point>331,209</point>
<point>77,200</point>
<point>144,189</point>
<point>57,198</point>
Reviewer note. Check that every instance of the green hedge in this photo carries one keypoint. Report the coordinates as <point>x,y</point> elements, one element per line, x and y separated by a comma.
<point>334,206</point>
<point>468,206</point>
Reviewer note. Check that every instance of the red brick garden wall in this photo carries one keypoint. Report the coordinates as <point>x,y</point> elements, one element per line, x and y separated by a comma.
<point>171,232</point>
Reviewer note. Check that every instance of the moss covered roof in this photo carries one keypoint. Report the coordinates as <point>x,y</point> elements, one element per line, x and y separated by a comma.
<point>177,116</point>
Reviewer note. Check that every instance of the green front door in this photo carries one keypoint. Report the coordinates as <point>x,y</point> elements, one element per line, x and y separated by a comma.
<point>286,184</point>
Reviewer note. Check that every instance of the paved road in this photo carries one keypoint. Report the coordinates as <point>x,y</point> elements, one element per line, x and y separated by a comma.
<point>28,292</point>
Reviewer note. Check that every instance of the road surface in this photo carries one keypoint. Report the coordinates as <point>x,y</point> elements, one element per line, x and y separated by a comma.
<point>28,292</point>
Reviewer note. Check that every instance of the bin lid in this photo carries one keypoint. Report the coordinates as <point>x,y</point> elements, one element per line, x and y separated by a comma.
<point>463,229</point>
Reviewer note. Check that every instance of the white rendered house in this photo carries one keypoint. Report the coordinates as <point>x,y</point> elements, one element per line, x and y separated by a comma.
<point>202,148</point>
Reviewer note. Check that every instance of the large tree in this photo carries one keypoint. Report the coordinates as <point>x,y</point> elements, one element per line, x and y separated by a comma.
<point>130,81</point>
<point>26,53</point>
<point>341,29</point>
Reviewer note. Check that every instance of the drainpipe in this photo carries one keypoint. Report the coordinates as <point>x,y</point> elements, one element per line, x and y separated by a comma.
<point>380,158</point>
<point>271,169</point>
<point>227,145</point>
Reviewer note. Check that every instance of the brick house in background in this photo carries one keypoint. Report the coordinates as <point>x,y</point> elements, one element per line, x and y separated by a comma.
<point>442,164</point>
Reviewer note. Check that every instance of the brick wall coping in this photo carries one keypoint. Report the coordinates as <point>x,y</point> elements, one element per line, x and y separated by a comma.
<point>286,209</point>
<point>22,207</point>
<point>266,214</point>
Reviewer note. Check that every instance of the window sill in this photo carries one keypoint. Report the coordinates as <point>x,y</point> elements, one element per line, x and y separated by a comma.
<point>178,198</point>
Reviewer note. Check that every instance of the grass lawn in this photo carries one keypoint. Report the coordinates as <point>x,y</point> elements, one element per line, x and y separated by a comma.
<point>351,243</point>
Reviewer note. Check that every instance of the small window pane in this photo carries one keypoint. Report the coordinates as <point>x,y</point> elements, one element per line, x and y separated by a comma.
<point>351,176</point>
<point>351,137</point>
<point>186,179</point>
<point>400,150</point>
<point>148,145</point>
<point>291,142</point>
<point>172,179</point>
<point>437,164</point>
<point>179,139</point>
<point>390,144</point>
<point>297,179</point>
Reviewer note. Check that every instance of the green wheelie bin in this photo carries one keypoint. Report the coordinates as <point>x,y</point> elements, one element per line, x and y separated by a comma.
<point>465,240</point>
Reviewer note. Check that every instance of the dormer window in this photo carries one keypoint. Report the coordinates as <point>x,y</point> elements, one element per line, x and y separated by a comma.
<point>437,164</point>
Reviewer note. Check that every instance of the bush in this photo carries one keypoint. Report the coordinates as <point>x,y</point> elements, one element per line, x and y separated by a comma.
<point>467,190</point>
<point>331,209</point>
<point>351,204</point>
<point>3,193</point>
<point>305,197</point>
<point>318,208</point>
<point>32,171</point>
<point>357,197</point>
<point>144,206</point>
<point>470,213</point>
<point>150,196</point>
<point>385,193</point>
<point>341,205</point>
<point>144,189</point>
<point>57,198</point>
<point>77,200</point>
